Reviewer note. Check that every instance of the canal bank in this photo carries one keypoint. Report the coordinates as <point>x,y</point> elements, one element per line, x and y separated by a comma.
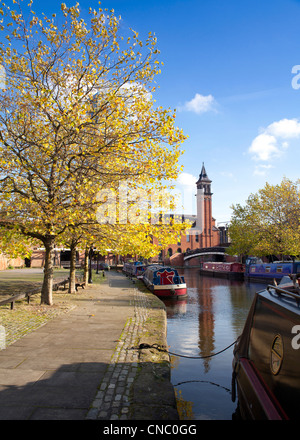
<point>88,363</point>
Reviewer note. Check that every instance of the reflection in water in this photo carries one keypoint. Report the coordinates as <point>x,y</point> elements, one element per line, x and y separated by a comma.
<point>175,307</point>
<point>210,319</point>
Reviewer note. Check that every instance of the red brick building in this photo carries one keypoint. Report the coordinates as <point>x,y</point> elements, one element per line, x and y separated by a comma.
<point>204,233</point>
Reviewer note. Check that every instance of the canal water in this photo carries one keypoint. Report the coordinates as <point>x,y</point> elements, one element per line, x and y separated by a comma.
<point>210,319</point>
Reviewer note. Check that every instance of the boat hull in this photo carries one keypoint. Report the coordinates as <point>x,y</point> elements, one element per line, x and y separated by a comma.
<point>232,271</point>
<point>169,291</point>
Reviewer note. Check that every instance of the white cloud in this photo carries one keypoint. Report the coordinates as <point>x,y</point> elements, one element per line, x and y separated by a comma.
<point>264,147</point>
<point>187,179</point>
<point>286,128</point>
<point>199,104</point>
<point>261,170</point>
<point>268,145</point>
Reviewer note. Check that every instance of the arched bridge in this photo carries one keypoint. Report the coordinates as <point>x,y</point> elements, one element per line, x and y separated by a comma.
<point>216,250</point>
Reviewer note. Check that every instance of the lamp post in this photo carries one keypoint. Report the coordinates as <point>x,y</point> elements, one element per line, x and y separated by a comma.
<point>91,253</point>
<point>97,271</point>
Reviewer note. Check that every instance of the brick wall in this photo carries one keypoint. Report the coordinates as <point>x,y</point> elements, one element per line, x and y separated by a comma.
<point>5,262</point>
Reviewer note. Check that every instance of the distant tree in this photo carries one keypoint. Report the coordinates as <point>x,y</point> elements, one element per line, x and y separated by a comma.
<point>269,223</point>
<point>76,115</point>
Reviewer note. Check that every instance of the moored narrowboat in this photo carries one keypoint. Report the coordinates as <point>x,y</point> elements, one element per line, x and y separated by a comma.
<point>165,282</point>
<point>139,271</point>
<point>130,268</point>
<point>257,271</point>
<point>223,270</point>
<point>266,363</point>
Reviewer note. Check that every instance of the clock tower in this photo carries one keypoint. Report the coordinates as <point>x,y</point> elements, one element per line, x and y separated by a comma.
<point>204,208</point>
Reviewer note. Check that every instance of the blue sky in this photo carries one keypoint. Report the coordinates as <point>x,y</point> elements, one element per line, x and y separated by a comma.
<point>230,70</point>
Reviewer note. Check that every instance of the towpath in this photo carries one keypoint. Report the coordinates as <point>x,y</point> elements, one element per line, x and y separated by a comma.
<point>81,364</point>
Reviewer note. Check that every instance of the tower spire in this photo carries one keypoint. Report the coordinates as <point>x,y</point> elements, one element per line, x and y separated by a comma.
<point>203,181</point>
<point>204,207</point>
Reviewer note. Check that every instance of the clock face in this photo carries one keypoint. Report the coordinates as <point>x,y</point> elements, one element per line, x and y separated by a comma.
<point>276,354</point>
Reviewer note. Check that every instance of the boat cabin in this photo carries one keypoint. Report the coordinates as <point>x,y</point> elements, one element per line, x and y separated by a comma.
<point>165,281</point>
<point>256,270</point>
<point>162,275</point>
<point>266,365</point>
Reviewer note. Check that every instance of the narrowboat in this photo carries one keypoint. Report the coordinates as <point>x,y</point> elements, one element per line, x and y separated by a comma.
<point>165,282</point>
<point>266,356</point>
<point>256,270</point>
<point>130,268</point>
<point>223,270</point>
<point>139,271</point>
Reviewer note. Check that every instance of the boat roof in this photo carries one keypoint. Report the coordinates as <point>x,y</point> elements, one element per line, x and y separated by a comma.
<point>285,295</point>
<point>156,267</point>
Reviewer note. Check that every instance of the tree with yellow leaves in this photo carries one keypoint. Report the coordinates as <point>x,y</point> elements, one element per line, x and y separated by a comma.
<point>77,116</point>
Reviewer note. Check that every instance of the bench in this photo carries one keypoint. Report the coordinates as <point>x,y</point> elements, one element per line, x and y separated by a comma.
<point>78,282</point>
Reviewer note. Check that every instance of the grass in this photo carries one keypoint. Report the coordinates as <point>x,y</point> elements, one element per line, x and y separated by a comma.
<point>25,317</point>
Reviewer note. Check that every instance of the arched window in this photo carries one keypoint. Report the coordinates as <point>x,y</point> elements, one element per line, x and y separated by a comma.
<point>170,252</point>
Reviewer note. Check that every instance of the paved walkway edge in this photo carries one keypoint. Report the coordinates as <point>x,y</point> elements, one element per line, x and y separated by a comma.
<point>136,384</point>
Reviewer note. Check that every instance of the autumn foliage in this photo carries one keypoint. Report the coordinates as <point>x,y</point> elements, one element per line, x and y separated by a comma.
<point>269,222</point>
<point>77,116</point>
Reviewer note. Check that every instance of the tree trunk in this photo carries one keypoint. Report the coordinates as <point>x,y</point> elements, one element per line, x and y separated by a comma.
<point>72,287</point>
<point>86,267</point>
<point>46,295</point>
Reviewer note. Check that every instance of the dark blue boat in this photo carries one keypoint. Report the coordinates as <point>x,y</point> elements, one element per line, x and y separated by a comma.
<point>256,270</point>
<point>130,269</point>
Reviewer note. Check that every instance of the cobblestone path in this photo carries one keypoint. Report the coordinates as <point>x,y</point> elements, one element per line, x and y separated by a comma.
<point>112,401</point>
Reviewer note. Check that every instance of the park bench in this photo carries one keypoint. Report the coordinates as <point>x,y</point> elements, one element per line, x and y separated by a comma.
<point>12,299</point>
<point>78,282</point>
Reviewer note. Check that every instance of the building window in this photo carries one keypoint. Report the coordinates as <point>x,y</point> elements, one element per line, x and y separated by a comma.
<point>197,238</point>
<point>187,238</point>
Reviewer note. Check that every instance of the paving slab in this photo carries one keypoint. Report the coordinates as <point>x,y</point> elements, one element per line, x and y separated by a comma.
<point>81,365</point>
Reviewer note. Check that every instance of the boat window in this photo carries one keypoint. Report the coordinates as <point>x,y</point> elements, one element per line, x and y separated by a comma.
<point>279,269</point>
<point>268,269</point>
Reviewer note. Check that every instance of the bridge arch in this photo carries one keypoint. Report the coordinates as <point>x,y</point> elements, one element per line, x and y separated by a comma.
<point>213,251</point>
